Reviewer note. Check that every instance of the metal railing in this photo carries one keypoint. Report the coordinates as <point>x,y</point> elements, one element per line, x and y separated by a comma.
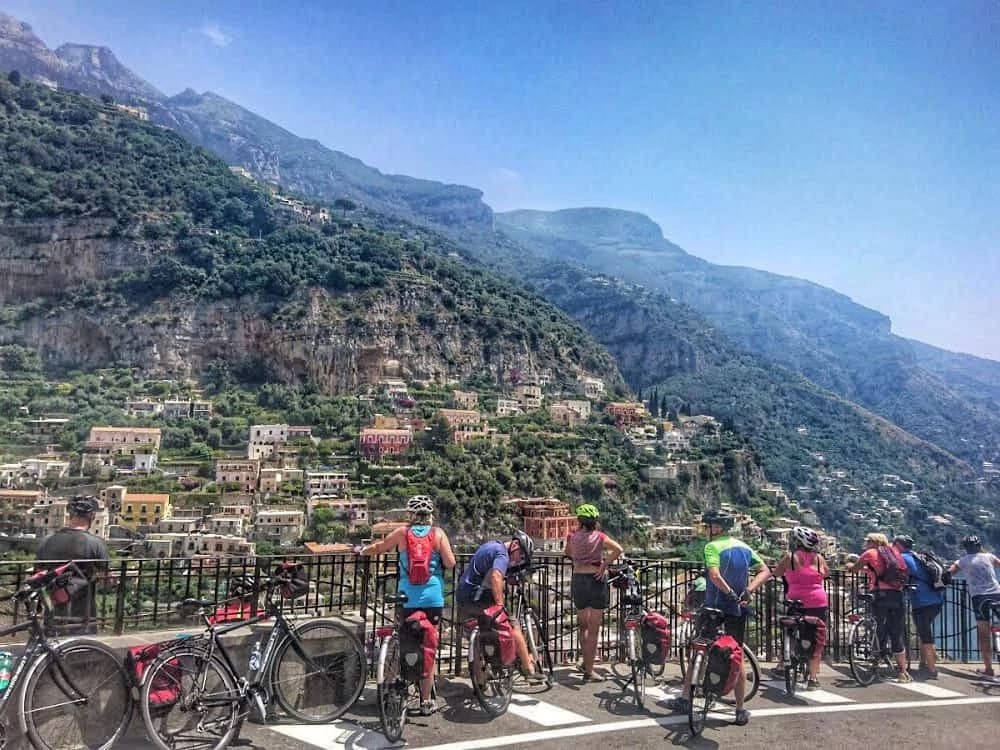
<point>143,594</point>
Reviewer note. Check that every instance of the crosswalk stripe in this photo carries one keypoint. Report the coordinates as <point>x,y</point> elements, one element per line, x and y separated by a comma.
<point>810,696</point>
<point>931,691</point>
<point>661,695</point>
<point>543,714</point>
<point>338,735</point>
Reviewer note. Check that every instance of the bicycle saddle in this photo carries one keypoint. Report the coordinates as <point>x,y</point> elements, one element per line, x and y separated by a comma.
<point>197,603</point>
<point>396,598</point>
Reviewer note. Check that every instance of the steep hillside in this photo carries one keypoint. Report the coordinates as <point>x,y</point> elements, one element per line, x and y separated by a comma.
<point>155,256</point>
<point>817,332</point>
<point>242,138</point>
<point>800,431</point>
<point>975,378</point>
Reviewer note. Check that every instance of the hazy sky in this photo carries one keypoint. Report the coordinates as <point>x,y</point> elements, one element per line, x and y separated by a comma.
<point>853,144</point>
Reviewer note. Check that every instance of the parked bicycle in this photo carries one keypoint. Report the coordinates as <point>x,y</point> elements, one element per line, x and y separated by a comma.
<point>632,663</point>
<point>531,625</point>
<point>490,668</point>
<point>77,692</point>
<point>193,696</point>
<point>868,659</point>
<point>703,692</point>
<point>798,641</point>
<point>750,663</point>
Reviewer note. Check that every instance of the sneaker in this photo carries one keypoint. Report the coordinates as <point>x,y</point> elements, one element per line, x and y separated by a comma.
<point>427,708</point>
<point>903,678</point>
<point>812,685</point>
<point>931,675</point>
<point>681,705</point>
<point>742,717</point>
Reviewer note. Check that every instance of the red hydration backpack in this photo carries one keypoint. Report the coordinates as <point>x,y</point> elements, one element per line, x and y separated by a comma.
<point>894,570</point>
<point>725,660</point>
<point>497,636</point>
<point>655,638</point>
<point>419,553</point>
<point>418,642</point>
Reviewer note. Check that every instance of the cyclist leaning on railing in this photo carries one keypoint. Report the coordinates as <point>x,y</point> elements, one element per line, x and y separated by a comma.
<point>586,547</point>
<point>482,583</point>
<point>427,597</point>
<point>979,569</point>
<point>925,604</point>
<point>730,563</point>
<point>887,586</point>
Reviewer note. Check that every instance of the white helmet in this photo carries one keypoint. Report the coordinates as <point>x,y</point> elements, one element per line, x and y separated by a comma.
<point>420,504</point>
<point>805,537</point>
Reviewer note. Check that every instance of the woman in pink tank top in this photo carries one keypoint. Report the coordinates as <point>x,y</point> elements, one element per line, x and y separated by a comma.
<point>804,570</point>
<point>586,547</point>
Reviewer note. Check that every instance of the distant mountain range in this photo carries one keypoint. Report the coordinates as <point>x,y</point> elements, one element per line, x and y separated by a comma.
<point>744,318</point>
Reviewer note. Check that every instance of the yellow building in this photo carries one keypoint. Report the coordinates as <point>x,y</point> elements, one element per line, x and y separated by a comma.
<point>144,510</point>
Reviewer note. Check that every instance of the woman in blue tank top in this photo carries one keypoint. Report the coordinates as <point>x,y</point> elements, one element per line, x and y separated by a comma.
<point>425,597</point>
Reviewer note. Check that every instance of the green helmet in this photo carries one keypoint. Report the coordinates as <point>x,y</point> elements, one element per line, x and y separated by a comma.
<point>587,511</point>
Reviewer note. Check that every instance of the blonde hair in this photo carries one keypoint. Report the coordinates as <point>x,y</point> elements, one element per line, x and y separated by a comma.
<point>879,539</point>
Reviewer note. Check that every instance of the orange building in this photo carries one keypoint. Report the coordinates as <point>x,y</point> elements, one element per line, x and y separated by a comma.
<point>626,412</point>
<point>547,520</point>
<point>376,443</point>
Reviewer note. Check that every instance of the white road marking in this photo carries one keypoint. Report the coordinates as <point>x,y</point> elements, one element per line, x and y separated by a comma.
<point>813,696</point>
<point>625,726</point>
<point>931,691</point>
<point>662,695</point>
<point>338,735</point>
<point>544,714</point>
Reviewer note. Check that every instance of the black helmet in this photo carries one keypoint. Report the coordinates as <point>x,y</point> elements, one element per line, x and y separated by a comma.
<point>526,546</point>
<point>903,540</point>
<point>717,518</point>
<point>82,505</point>
<point>972,543</point>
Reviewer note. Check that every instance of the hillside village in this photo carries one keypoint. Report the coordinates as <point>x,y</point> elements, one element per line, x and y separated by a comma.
<point>269,488</point>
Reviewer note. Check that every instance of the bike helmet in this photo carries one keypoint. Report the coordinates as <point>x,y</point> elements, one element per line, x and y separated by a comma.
<point>972,543</point>
<point>805,537</point>
<point>903,540</point>
<point>587,511</point>
<point>526,546</point>
<point>717,518</point>
<point>420,504</point>
<point>82,505</point>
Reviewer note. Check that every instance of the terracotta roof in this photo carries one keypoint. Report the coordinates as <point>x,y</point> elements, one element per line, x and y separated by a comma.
<point>327,549</point>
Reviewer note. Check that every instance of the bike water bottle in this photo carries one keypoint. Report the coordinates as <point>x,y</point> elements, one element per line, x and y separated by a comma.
<point>6,660</point>
<point>255,657</point>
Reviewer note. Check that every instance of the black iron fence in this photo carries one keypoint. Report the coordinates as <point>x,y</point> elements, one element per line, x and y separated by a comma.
<point>143,595</point>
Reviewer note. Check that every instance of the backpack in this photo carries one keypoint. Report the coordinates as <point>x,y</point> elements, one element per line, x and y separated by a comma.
<point>725,660</point>
<point>418,643</point>
<point>655,638</point>
<point>934,568</point>
<point>419,553</point>
<point>894,572</point>
<point>497,636</point>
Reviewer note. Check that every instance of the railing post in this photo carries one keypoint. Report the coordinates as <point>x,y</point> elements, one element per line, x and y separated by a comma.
<point>120,599</point>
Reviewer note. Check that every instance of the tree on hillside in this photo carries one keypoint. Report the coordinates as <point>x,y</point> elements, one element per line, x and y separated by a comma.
<point>14,77</point>
<point>345,205</point>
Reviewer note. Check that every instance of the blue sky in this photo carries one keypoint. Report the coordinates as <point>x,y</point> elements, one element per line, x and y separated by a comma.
<point>853,144</point>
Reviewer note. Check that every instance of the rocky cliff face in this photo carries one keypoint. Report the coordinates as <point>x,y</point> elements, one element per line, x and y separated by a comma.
<point>44,258</point>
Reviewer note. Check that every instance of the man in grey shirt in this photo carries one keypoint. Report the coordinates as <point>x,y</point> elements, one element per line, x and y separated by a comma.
<point>979,570</point>
<point>75,542</point>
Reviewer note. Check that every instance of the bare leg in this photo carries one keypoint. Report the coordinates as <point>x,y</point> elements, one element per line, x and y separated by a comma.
<point>930,656</point>
<point>593,617</point>
<point>522,649</point>
<point>985,647</point>
<point>814,663</point>
<point>740,689</point>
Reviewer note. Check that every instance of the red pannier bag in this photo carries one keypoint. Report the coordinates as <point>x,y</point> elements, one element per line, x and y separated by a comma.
<point>725,660</point>
<point>166,687</point>
<point>655,638</point>
<point>418,644</point>
<point>497,636</point>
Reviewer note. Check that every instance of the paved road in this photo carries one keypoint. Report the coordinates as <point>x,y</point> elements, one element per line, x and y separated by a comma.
<point>956,711</point>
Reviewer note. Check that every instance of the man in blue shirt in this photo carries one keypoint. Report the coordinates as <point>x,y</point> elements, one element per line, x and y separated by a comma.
<point>925,602</point>
<point>481,586</point>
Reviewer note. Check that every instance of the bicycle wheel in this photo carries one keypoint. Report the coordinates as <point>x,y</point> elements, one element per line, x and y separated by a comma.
<point>791,664</point>
<point>699,699</point>
<point>190,700</point>
<point>80,697</point>
<point>392,690</point>
<point>752,669</point>
<point>493,686</point>
<point>863,652</point>
<point>319,672</point>
<point>538,646</point>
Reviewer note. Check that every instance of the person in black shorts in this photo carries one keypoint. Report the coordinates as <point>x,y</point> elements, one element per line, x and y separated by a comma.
<point>75,542</point>
<point>591,551</point>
